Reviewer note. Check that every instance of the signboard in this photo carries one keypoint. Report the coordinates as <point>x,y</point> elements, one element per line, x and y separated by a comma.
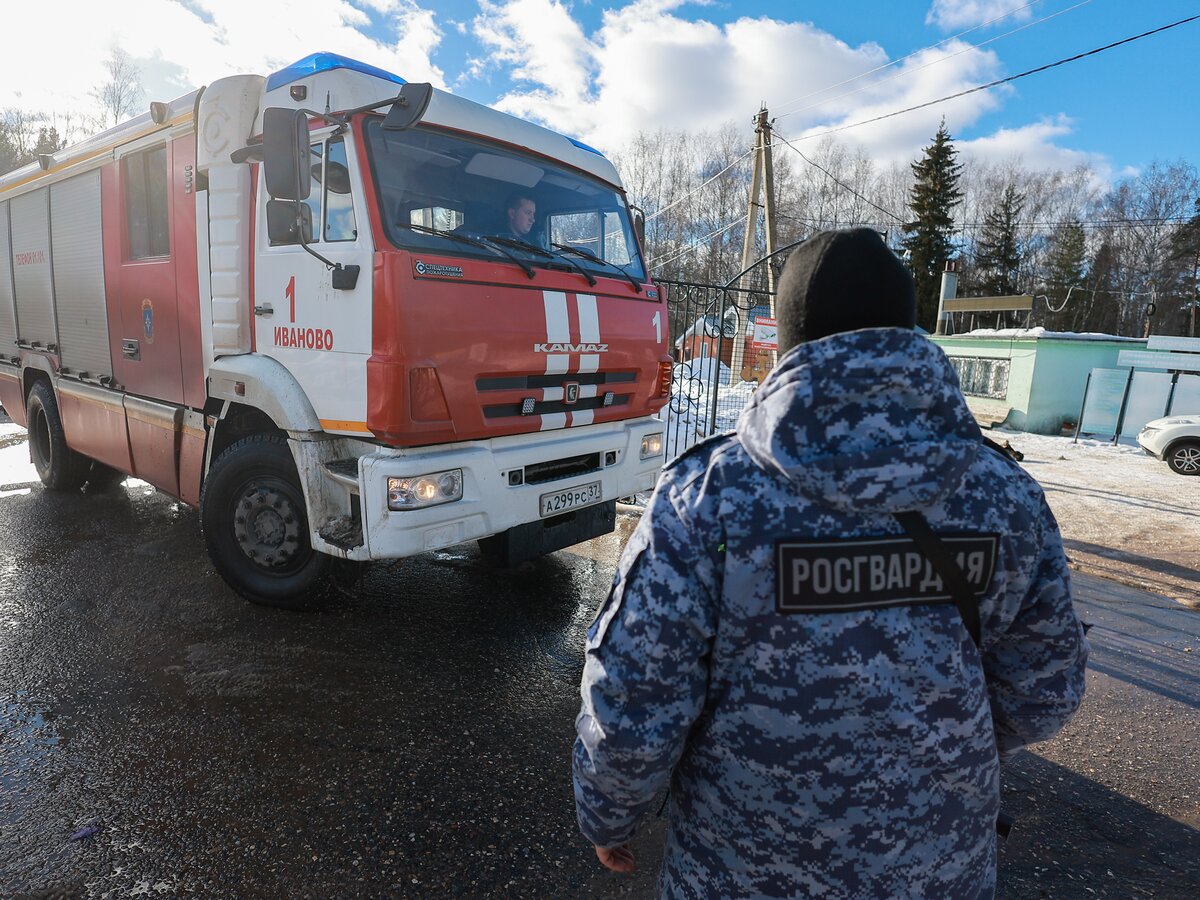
<point>766,334</point>
<point>1102,405</point>
<point>988,304</point>
<point>1148,395</point>
<point>1148,359</point>
<point>1179,344</point>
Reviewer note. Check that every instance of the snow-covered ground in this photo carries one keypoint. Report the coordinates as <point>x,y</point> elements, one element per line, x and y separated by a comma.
<point>692,413</point>
<point>15,467</point>
<point>1123,513</point>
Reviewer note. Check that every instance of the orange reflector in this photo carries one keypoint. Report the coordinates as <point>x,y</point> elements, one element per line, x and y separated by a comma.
<point>427,402</point>
<point>664,379</point>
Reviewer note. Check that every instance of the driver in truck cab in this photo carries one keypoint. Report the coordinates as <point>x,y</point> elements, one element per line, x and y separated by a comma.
<point>520,212</point>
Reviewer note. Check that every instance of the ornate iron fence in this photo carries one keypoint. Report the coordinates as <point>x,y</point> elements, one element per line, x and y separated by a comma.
<point>718,362</point>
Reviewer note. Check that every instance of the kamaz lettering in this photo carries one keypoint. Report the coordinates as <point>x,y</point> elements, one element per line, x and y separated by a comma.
<point>570,348</point>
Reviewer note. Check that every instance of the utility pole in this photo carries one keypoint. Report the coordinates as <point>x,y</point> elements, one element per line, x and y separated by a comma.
<point>764,170</point>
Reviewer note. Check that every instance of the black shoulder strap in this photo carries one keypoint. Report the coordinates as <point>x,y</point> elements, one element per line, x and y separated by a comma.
<point>952,576</point>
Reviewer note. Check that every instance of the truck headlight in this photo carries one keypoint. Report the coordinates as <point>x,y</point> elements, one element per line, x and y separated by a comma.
<point>419,491</point>
<point>652,445</point>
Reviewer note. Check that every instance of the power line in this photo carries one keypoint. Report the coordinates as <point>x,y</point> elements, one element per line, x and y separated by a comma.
<point>896,62</point>
<point>696,244</point>
<point>1094,223</point>
<point>941,59</point>
<point>840,183</point>
<point>963,226</point>
<point>697,189</point>
<point>997,83</point>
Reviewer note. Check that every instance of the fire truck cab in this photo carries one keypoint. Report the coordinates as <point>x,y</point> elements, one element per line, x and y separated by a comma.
<point>296,303</point>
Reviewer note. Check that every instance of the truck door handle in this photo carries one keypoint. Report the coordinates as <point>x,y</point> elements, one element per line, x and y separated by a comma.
<point>130,348</point>
<point>264,311</point>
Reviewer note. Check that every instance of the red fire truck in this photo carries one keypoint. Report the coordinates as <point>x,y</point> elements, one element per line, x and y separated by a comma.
<point>294,302</point>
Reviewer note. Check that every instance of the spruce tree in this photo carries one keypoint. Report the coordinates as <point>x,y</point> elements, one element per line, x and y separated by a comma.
<point>927,237</point>
<point>1066,267</point>
<point>10,153</point>
<point>48,141</point>
<point>998,250</point>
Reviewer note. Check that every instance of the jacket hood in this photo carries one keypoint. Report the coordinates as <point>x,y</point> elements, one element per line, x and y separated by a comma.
<point>864,421</point>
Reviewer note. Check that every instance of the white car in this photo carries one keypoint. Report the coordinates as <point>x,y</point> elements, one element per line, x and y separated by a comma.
<point>1175,439</point>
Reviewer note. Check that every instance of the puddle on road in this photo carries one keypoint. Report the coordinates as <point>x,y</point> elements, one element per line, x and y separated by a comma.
<point>29,733</point>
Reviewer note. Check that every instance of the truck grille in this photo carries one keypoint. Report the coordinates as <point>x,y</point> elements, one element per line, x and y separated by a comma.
<point>543,407</point>
<point>540,473</point>
<point>537,382</point>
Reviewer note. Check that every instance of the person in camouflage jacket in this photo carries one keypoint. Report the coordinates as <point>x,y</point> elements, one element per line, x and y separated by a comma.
<point>777,650</point>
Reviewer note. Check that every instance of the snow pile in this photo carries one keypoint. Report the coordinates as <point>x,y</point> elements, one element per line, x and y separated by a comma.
<point>695,411</point>
<point>1041,333</point>
<point>15,467</point>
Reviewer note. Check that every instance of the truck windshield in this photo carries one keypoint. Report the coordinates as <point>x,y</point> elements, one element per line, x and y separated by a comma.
<point>440,182</point>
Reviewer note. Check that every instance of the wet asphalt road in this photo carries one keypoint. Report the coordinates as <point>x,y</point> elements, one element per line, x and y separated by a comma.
<point>413,740</point>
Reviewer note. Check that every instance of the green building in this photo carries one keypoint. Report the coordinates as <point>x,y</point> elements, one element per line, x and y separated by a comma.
<point>1030,380</point>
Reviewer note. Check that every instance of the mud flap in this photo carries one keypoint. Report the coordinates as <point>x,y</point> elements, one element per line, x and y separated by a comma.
<point>534,539</point>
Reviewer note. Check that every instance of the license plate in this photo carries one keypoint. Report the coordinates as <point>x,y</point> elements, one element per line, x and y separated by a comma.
<point>571,498</point>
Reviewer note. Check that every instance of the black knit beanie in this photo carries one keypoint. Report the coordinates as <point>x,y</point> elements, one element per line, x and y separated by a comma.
<point>841,281</point>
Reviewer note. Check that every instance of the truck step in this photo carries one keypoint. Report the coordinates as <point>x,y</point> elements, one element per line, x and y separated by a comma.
<point>344,532</point>
<point>344,471</point>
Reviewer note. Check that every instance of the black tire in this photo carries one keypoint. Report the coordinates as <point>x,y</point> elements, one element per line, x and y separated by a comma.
<point>254,524</point>
<point>59,467</point>
<point>1185,458</point>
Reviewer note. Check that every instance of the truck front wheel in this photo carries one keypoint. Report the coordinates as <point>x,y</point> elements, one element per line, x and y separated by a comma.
<point>59,467</point>
<point>254,524</point>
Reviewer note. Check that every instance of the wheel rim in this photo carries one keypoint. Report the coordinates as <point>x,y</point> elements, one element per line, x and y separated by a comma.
<point>1187,459</point>
<point>268,528</point>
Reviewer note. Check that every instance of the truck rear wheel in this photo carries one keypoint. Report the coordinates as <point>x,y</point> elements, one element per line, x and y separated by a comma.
<point>59,467</point>
<point>253,519</point>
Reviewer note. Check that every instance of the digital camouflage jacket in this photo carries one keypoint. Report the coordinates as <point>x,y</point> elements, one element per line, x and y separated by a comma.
<point>777,650</point>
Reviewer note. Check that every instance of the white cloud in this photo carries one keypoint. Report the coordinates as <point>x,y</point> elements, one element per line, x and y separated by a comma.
<point>542,45</point>
<point>929,75</point>
<point>1035,147</point>
<point>182,45</point>
<point>950,14</point>
<point>647,67</point>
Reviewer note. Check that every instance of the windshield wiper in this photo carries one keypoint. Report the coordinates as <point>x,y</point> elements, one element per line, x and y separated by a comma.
<point>473,241</point>
<point>588,254</point>
<point>543,252</point>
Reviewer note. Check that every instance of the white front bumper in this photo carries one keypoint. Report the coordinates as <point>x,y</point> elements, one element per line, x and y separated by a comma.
<point>1152,442</point>
<point>490,504</point>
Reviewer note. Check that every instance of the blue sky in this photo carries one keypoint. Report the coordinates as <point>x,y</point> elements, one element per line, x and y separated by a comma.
<point>605,70</point>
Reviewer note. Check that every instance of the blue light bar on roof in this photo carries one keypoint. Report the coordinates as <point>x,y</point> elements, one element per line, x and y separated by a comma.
<point>582,146</point>
<point>326,62</point>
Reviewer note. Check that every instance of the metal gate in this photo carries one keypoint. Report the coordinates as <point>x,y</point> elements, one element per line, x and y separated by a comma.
<point>717,366</point>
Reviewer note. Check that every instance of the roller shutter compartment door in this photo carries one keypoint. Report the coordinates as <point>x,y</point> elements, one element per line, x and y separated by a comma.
<point>8,315</point>
<point>29,218</point>
<point>78,257</point>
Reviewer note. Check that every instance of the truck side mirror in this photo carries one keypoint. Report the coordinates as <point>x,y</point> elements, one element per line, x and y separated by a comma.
<point>408,108</point>
<point>289,222</point>
<point>286,156</point>
<point>639,228</point>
